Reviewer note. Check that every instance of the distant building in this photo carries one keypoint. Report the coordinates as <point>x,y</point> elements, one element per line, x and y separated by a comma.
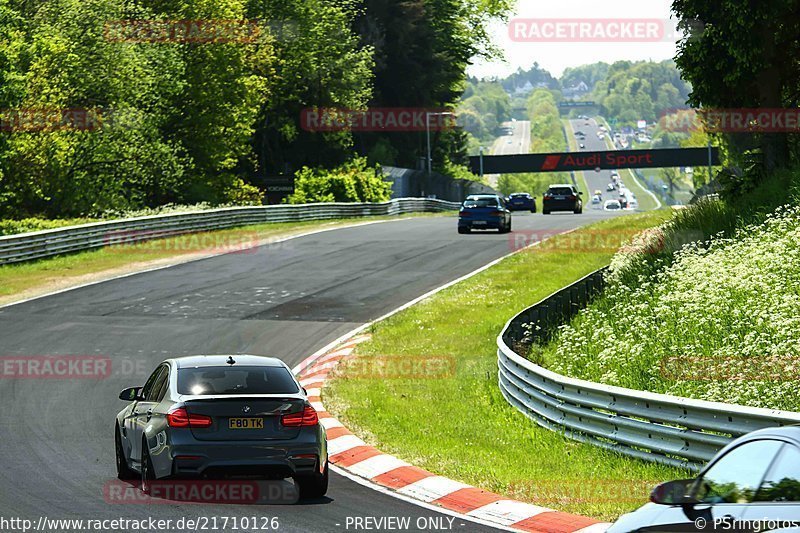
<point>576,90</point>
<point>523,90</point>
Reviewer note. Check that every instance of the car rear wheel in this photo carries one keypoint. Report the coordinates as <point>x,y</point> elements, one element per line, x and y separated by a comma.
<point>313,486</point>
<point>124,472</point>
<point>148,474</point>
<point>463,230</point>
<point>579,211</point>
<point>545,212</point>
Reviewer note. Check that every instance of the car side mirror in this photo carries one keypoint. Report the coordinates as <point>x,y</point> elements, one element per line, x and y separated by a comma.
<point>580,192</point>
<point>672,492</point>
<point>130,394</point>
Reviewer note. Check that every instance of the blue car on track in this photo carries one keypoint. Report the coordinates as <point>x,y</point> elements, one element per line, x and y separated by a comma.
<point>521,201</point>
<point>484,211</point>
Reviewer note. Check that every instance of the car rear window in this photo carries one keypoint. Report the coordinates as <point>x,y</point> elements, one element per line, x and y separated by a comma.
<point>560,190</point>
<point>235,380</point>
<point>481,202</point>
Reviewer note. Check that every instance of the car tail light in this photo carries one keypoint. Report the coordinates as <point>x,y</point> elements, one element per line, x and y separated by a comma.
<point>306,417</point>
<point>464,213</point>
<point>497,213</point>
<point>573,197</point>
<point>547,197</point>
<point>179,418</point>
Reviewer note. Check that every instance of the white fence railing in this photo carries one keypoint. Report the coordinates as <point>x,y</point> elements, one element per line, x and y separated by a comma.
<point>656,427</point>
<point>47,243</point>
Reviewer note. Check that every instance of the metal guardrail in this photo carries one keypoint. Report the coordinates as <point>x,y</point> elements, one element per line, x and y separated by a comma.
<point>656,427</point>
<point>47,243</point>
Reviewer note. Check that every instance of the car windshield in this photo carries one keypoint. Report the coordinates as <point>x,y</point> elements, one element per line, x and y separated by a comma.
<point>236,380</point>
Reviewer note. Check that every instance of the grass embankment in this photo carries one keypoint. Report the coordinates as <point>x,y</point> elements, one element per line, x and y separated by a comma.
<point>455,422</point>
<point>23,280</point>
<point>719,323</point>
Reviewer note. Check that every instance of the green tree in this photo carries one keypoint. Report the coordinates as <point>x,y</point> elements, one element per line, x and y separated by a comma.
<point>743,55</point>
<point>353,181</point>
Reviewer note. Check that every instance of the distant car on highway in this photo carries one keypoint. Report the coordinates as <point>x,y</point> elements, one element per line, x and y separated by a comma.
<point>611,186</point>
<point>596,199</point>
<point>562,197</point>
<point>579,133</point>
<point>581,146</point>
<point>752,481</point>
<point>484,211</point>
<point>218,416</point>
<point>521,201</point>
<point>612,205</point>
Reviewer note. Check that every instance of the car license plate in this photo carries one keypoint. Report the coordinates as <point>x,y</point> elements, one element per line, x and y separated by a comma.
<point>246,423</point>
<point>558,197</point>
<point>479,222</point>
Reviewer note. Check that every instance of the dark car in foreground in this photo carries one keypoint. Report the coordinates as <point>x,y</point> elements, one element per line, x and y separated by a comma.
<point>221,417</point>
<point>562,197</point>
<point>484,211</point>
<point>752,484</point>
<point>521,201</point>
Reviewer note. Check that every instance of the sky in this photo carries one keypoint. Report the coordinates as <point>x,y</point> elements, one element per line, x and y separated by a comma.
<point>555,57</point>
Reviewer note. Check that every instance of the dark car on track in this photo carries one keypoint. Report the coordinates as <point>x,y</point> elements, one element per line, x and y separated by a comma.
<point>521,201</point>
<point>750,483</point>
<point>562,197</point>
<point>484,211</point>
<point>215,417</point>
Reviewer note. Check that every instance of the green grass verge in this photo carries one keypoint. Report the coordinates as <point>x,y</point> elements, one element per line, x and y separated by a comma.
<point>27,279</point>
<point>455,422</point>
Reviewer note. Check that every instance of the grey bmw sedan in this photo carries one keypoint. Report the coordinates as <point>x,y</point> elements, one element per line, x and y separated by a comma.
<point>221,417</point>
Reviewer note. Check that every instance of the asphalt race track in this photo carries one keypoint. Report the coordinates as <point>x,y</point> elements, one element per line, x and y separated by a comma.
<point>285,300</point>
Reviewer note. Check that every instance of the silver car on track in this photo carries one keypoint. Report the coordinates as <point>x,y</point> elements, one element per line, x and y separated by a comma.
<point>221,417</point>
